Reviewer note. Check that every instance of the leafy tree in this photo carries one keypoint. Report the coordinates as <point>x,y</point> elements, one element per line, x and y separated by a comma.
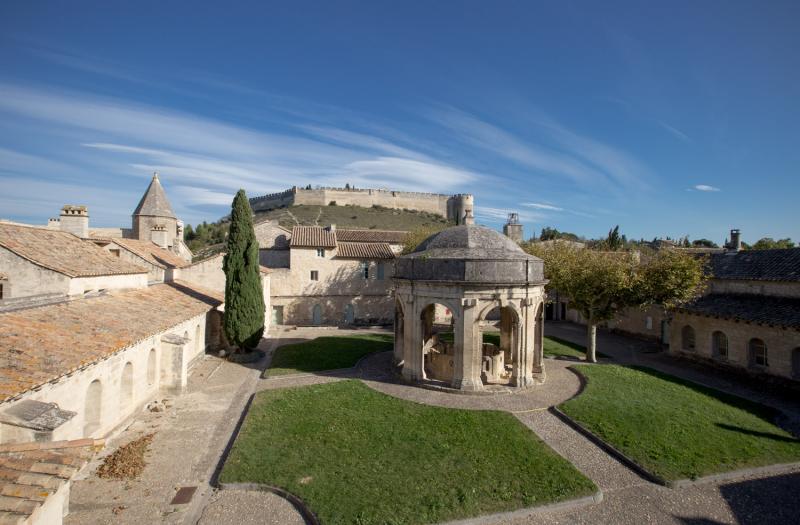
<point>704,243</point>
<point>244,296</point>
<point>768,243</point>
<point>614,241</point>
<point>188,233</point>
<point>416,236</point>
<point>549,234</point>
<point>600,285</point>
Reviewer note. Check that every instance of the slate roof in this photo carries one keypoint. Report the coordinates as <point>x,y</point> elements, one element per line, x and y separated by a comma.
<point>364,250</point>
<point>38,345</point>
<point>313,237</point>
<point>62,252</point>
<point>154,201</point>
<point>385,236</point>
<point>758,265</point>
<point>31,472</point>
<point>759,309</point>
<point>152,253</point>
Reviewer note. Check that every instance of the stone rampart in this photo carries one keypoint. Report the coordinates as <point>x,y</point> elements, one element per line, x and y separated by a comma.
<point>448,206</point>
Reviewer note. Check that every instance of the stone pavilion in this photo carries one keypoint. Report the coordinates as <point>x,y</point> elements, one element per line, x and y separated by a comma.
<point>457,283</point>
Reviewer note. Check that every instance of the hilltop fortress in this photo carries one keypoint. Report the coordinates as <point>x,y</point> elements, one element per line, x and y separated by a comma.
<point>452,207</point>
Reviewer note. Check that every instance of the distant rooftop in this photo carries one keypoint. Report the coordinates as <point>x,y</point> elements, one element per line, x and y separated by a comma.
<point>154,201</point>
<point>759,265</point>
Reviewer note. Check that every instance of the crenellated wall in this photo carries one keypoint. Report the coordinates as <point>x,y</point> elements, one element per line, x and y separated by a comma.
<point>452,207</point>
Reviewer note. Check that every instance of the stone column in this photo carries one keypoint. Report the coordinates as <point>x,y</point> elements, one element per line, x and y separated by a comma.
<point>399,332</point>
<point>535,312</point>
<point>524,326</point>
<point>412,343</point>
<point>468,348</point>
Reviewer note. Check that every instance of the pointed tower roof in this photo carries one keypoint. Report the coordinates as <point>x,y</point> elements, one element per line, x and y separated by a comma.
<point>154,201</point>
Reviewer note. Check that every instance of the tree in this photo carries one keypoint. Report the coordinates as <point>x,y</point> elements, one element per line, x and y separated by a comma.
<point>549,234</point>
<point>768,243</point>
<point>188,233</point>
<point>705,243</point>
<point>613,241</point>
<point>415,237</point>
<point>600,285</point>
<point>244,296</point>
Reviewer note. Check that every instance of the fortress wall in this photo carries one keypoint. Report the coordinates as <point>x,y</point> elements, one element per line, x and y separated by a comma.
<point>451,207</point>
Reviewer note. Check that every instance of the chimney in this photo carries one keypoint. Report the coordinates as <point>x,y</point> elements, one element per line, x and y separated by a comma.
<point>159,235</point>
<point>75,219</point>
<point>332,228</point>
<point>736,241</point>
<point>469,219</point>
<point>513,229</point>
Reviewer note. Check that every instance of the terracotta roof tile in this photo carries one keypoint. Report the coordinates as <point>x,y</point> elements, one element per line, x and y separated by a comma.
<point>152,253</point>
<point>387,236</point>
<point>62,252</point>
<point>313,237</point>
<point>759,265</point>
<point>760,309</point>
<point>25,483</point>
<point>41,344</point>
<point>364,250</point>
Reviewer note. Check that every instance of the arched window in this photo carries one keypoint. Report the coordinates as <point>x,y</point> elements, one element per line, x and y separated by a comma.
<point>92,411</point>
<point>757,351</point>
<point>126,387</point>
<point>796,363</point>
<point>687,338</point>
<point>198,339</point>
<point>719,345</point>
<point>151,367</point>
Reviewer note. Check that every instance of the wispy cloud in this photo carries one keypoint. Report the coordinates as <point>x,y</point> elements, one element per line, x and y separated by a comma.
<point>542,206</point>
<point>705,187</point>
<point>674,131</point>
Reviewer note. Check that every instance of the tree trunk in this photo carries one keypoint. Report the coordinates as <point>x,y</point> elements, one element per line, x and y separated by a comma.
<point>591,341</point>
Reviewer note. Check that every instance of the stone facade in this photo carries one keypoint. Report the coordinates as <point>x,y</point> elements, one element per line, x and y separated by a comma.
<point>452,207</point>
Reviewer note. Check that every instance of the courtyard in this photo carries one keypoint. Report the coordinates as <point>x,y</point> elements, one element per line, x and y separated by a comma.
<point>343,403</point>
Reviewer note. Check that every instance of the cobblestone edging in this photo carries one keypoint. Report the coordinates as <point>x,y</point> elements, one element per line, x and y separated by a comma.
<point>503,517</point>
<point>309,517</point>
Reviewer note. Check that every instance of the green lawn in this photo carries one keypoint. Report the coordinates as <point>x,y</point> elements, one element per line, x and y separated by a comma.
<point>676,429</point>
<point>327,353</point>
<point>354,455</point>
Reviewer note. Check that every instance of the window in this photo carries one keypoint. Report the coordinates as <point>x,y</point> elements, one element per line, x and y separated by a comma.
<point>314,275</point>
<point>1,290</point>
<point>648,323</point>
<point>365,269</point>
<point>114,252</point>
<point>687,338</point>
<point>381,271</point>
<point>321,252</point>
<point>758,353</point>
<point>719,345</point>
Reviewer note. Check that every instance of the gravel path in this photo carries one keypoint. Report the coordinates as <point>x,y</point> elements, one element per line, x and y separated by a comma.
<point>247,507</point>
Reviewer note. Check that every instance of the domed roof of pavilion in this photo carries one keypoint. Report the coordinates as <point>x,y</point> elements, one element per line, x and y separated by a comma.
<point>470,253</point>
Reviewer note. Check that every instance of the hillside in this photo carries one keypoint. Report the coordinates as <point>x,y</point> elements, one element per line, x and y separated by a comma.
<point>208,239</point>
<point>375,218</point>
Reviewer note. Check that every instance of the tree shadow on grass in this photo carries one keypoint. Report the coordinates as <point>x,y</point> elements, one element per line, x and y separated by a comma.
<point>766,435</point>
<point>327,353</point>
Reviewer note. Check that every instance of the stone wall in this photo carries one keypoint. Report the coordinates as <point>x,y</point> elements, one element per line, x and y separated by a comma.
<point>449,206</point>
<point>156,366</point>
<point>26,279</point>
<point>780,343</point>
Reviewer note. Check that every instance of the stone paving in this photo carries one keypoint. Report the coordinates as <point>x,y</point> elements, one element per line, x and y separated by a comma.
<point>192,436</point>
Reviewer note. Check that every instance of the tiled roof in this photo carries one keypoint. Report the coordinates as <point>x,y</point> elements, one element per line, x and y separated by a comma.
<point>313,237</point>
<point>154,201</point>
<point>760,309</point>
<point>760,265</point>
<point>38,345</point>
<point>388,236</point>
<point>62,252</point>
<point>31,472</point>
<point>152,253</point>
<point>364,250</point>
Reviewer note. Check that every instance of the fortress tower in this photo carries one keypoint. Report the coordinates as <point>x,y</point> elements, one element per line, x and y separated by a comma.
<point>154,217</point>
<point>458,207</point>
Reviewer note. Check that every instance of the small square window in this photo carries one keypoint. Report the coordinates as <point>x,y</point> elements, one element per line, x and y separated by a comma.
<point>365,269</point>
<point>320,252</point>
<point>314,275</point>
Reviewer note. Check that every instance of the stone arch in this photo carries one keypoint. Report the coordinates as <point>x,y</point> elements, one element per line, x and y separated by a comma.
<point>497,360</point>
<point>538,339</point>
<point>437,345</point>
<point>399,330</point>
<point>93,408</point>
<point>151,367</point>
<point>719,344</point>
<point>687,338</point>
<point>126,387</point>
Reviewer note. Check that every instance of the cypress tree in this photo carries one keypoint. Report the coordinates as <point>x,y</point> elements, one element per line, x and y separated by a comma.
<point>244,296</point>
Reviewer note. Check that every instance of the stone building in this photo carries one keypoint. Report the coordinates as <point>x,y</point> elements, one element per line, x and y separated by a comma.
<point>472,272</point>
<point>750,317</point>
<point>154,220</point>
<point>40,264</point>
<point>329,276</point>
<point>513,229</point>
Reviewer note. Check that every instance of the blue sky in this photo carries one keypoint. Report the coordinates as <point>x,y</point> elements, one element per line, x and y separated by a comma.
<point>671,119</point>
